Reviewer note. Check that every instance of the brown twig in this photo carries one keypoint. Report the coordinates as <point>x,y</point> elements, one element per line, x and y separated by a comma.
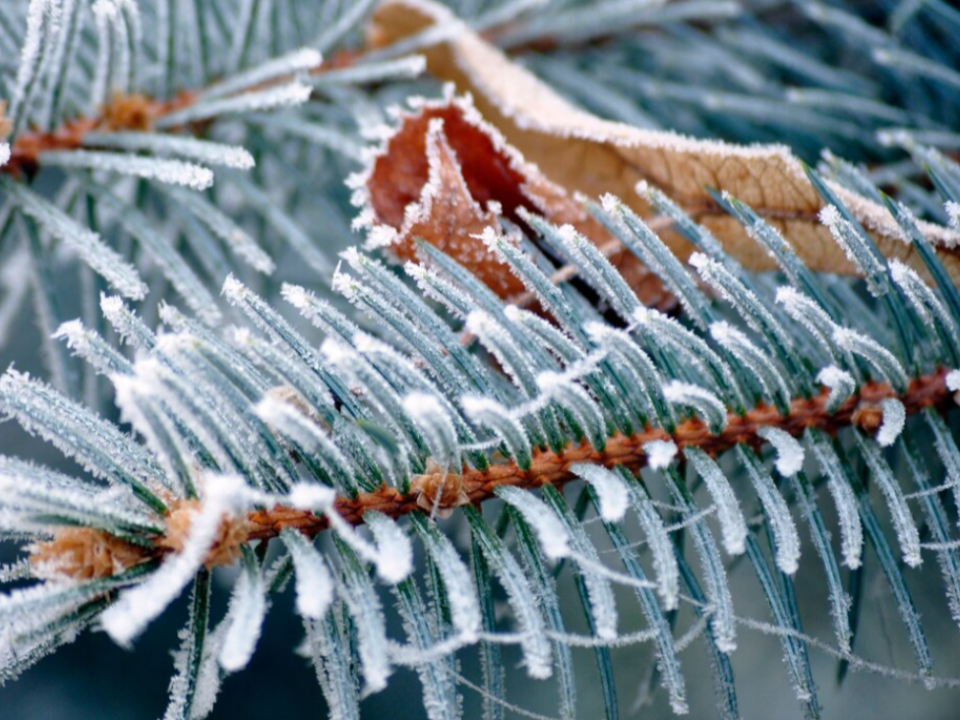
<point>554,468</point>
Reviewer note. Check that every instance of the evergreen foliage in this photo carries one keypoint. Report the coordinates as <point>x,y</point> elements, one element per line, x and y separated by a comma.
<point>244,386</point>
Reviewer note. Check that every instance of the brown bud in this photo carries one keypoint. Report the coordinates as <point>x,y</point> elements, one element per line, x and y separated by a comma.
<point>129,112</point>
<point>438,492</point>
<point>84,554</point>
<point>233,532</point>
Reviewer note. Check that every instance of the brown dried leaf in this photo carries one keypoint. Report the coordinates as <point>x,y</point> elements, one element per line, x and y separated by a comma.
<point>445,175</point>
<point>581,152</point>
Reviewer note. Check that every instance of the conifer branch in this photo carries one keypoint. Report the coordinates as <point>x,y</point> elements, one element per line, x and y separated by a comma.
<point>697,402</point>
<point>440,491</point>
<point>129,113</point>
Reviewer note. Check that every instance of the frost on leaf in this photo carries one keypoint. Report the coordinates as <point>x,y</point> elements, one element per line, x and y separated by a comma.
<point>660,453</point>
<point>314,582</point>
<point>445,175</point>
<point>584,153</point>
<point>894,419</point>
<point>953,384</point>
<point>612,492</point>
<point>790,453</point>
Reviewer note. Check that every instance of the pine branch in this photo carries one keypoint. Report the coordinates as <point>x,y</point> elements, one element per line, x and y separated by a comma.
<point>862,411</point>
<point>137,113</point>
<point>442,491</point>
<point>579,303</point>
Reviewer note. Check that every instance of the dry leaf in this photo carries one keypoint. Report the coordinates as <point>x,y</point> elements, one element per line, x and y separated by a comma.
<point>581,152</point>
<point>445,175</point>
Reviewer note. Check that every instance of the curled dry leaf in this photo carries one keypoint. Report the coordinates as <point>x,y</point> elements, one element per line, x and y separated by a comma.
<point>445,175</point>
<point>580,152</point>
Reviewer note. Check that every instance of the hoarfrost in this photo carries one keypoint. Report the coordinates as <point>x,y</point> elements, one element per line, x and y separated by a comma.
<point>790,453</point>
<point>611,490</point>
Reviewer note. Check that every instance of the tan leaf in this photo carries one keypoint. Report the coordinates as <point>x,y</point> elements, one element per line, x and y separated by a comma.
<point>445,175</point>
<point>581,152</point>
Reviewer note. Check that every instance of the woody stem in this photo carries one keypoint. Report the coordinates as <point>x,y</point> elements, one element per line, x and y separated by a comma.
<point>554,467</point>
